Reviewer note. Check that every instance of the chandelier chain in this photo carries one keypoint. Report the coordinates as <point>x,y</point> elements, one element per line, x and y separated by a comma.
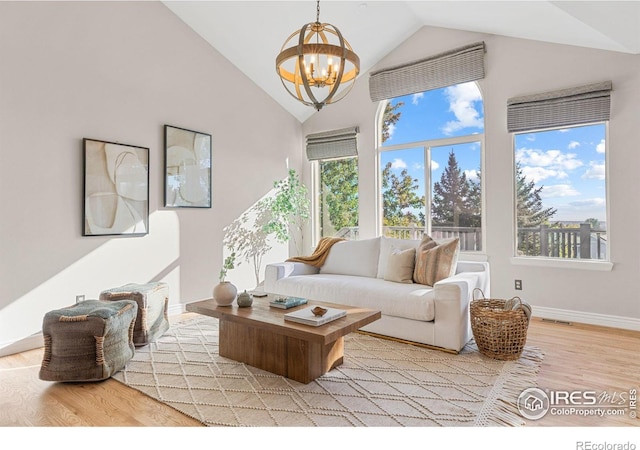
<point>318,11</point>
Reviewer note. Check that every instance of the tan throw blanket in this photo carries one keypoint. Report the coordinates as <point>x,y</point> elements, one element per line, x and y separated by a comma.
<point>319,255</point>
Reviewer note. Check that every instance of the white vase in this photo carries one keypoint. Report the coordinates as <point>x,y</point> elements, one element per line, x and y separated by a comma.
<point>225,293</point>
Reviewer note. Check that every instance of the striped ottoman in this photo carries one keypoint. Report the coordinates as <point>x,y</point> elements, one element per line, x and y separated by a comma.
<point>89,341</point>
<point>153,301</point>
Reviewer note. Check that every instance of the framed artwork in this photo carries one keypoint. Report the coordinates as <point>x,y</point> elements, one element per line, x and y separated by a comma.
<point>187,170</point>
<point>116,189</point>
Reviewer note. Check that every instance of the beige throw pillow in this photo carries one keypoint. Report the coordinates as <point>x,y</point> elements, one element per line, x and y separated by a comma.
<point>400,265</point>
<point>435,262</point>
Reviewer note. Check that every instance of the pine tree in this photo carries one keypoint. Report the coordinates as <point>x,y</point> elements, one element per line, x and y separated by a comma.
<point>530,210</point>
<point>456,200</point>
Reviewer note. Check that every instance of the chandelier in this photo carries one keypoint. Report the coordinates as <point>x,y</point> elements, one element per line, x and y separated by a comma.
<point>317,59</point>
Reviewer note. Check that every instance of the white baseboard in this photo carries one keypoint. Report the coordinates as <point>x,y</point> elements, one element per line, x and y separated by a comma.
<point>564,315</point>
<point>29,343</point>
<point>36,340</point>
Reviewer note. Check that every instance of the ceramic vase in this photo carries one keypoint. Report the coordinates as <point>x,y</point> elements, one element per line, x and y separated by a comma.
<point>245,299</point>
<point>225,293</point>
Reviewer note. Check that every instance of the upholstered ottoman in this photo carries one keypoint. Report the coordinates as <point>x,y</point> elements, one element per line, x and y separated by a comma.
<point>153,300</point>
<point>89,341</point>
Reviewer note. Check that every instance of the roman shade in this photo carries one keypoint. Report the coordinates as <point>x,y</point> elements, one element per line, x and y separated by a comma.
<point>573,106</point>
<point>333,144</point>
<point>455,66</point>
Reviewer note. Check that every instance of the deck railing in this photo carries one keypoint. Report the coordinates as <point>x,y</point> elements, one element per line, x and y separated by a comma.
<point>470,237</point>
<point>556,242</point>
<point>563,242</point>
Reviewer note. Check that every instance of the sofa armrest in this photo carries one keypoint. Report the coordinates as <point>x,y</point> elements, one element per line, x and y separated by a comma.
<point>276,271</point>
<point>452,298</point>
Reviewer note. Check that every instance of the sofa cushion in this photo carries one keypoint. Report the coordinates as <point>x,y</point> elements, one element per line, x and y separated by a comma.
<point>400,265</point>
<point>387,245</point>
<point>410,301</point>
<point>358,258</point>
<point>435,262</point>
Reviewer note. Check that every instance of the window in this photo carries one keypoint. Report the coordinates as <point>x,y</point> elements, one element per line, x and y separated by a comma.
<point>334,154</point>
<point>338,198</point>
<point>430,165</point>
<point>560,176</point>
<point>560,179</point>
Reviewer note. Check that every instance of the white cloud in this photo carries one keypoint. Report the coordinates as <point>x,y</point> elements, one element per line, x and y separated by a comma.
<point>434,165</point>
<point>462,98</point>
<point>398,164</point>
<point>600,148</point>
<point>531,137</point>
<point>596,171</point>
<point>417,166</point>
<point>417,97</point>
<point>472,175</point>
<point>538,165</point>
<point>558,190</point>
<point>588,203</point>
<point>537,174</point>
<point>573,144</point>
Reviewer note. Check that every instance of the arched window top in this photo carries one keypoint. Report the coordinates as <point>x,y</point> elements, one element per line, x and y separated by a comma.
<point>448,112</point>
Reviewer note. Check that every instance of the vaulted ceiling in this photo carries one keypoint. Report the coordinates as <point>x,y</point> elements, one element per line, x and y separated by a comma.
<point>250,33</point>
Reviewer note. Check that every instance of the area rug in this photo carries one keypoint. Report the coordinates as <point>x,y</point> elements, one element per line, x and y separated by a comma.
<point>381,383</point>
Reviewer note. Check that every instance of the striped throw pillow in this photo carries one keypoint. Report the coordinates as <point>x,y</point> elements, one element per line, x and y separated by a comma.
<point>435,262</point>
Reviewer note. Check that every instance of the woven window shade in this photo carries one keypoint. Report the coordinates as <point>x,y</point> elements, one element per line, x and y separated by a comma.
<point>455,66</point>
<point>333,144</point>
<point>574,106</point>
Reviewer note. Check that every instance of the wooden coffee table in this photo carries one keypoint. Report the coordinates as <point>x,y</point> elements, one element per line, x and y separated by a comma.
<point>259,336</point>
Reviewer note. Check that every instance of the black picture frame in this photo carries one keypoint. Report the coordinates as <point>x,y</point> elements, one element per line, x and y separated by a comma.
<point>115,188</point>
<point>187,168</point>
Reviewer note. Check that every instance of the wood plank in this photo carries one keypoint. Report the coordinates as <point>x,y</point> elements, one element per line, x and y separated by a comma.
<point>610,356</point>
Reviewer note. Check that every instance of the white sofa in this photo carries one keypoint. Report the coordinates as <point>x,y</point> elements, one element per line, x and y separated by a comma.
<point>354,274</point>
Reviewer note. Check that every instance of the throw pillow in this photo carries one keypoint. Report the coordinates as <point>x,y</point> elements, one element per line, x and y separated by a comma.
<point>436,262</point>
<point>387,245</point>
<point>358,258</point>
<point>400,265</point>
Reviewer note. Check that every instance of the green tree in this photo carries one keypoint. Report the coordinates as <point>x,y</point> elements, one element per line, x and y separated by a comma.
<point>595,223</point>
<point>530,213</point>
<point>390,117</point>
<point>339,180</point>
<point>456,200</point>
<point>400,200</point>
<point>530,210</point>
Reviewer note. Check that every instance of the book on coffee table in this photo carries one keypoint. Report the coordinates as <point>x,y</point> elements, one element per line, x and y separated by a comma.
<point>306,316</point>
<point>287,302</point>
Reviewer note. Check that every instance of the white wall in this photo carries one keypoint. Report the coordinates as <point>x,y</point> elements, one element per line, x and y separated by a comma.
<point>119,71</point>
<point>517,67</point>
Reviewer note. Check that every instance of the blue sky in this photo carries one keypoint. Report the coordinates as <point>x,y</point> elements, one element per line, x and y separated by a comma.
<point>569,163</point>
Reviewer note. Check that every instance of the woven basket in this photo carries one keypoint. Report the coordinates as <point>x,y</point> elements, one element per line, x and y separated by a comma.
<point>499,334</point>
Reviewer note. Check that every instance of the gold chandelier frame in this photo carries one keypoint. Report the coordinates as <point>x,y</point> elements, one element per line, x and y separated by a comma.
<point>313,42</point>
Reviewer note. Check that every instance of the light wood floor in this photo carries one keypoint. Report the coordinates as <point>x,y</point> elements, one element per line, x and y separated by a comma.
<point>577,357</point>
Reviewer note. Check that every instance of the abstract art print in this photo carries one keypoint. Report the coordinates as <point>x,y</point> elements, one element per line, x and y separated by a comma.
<point>187,168</point>
<point>116,189</point>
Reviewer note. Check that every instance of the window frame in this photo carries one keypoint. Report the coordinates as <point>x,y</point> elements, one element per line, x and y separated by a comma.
<point>552,262</point>
<point>426,146</point>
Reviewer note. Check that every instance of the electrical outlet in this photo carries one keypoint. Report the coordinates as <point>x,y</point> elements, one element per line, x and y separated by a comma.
<point>79,298</point>
<point>518,285</point>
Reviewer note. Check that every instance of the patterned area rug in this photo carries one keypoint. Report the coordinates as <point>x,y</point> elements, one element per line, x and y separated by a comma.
<point>381,383</point>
